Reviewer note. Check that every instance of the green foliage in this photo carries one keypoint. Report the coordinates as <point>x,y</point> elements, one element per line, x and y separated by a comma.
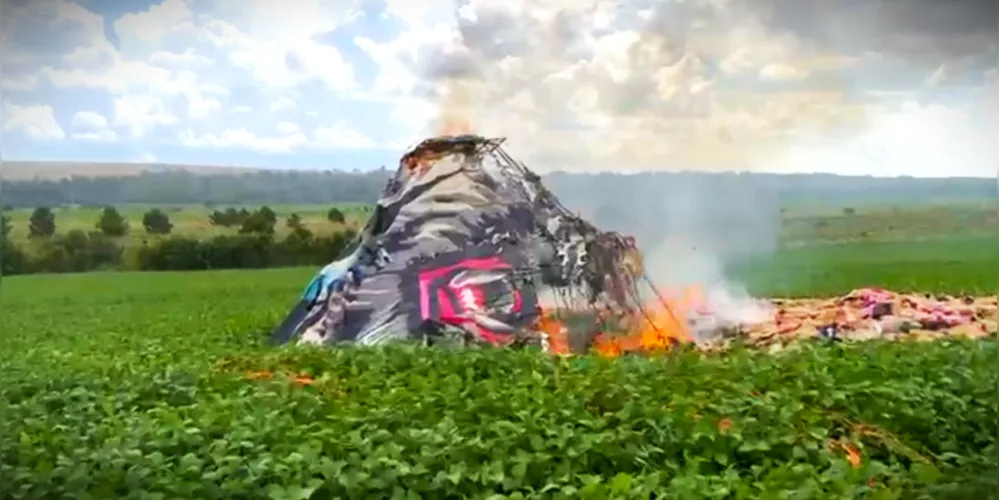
<point>265,212</point>
<point>294,221</point>
<point>78,251</point>
<point>5,225</point>
<point>318,187</point>
<point>155,221</point>
<point>952,265</point>
<point>145,393</point>
<point>261,221</point>
<point>230,217</point>
<point>75,251</point>
<point>12,258</point>
<point>42,223</point>
<point>335,216</point>
<point>111,223</point>
<point>299,237</point>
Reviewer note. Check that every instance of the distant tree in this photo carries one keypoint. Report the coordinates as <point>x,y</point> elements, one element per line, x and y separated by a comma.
<point>849,211</point>
<point>259,222</point>
<point>42,223</point>
<point>5,225</point>
<point>335,216</point>
<point>267,214</point>
<point>294,221</point>
<point>224,218</point>
<point>216,218</point>
<point>111,222</point>
<point>156,222</point>
<point>229,217</point>
<point>298,232</point>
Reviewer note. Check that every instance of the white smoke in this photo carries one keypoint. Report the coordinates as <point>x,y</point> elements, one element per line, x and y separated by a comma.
<point>680,263</point>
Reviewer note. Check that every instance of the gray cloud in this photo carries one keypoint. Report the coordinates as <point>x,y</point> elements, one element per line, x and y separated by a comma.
<point>695,83</point>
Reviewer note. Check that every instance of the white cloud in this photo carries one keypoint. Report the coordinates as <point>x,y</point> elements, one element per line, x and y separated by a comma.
<point>341,136</point>
<point>593,83</point>
<point>782,72</point>
<point>164,57</point>
<point>583,84</point>
<point>119,77</point>
<point>922,140</point>
<point>141,113</point>
<point>245,139</point>
<point>155,23</point>
<point>89,120</point>
<point>288,128</point>
<point>282,104</point>
<point>572,93</point>
<point>35,121</point>
<point>92,127</point>
<point>20,82</point>
<point>98,136</point>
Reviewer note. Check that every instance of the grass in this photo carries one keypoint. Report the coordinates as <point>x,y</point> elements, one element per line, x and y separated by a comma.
<point>131,385</point>
<point>135,385</point>
<point>802,226</point>
<point>960,265</point>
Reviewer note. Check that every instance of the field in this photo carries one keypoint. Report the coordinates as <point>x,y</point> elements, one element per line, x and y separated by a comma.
<point>801,225</point>
<point>191,220</point>
<point>163,385</point>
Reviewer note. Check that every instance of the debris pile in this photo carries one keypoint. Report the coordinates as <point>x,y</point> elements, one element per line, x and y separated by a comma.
<point>869,313</point>
<point>863,314</point>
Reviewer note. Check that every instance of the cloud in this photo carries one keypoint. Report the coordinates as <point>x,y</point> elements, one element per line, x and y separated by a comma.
<point>172,64</point>
<point>167,58</point>
<point>584,85</point>
<point>89,120</point>
<point>19,82</point>
<point>141,113</point>
<point>35,121</point>
<point>283,103</point>
<point>696,84</point>
<point>155,23</point>
<point>341,136</point>
<point>782,72</point>
<point>91,126</point>
<point>243,138</point>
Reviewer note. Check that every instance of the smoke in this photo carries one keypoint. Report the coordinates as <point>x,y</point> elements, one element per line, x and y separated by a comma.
<point>630,86</point>
<point>690,228</point>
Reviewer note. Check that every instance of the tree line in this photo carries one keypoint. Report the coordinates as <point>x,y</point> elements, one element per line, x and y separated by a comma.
<point>255,245</point>
<point>327,187</point>
<point>178,187</point>
<point>110,222</point>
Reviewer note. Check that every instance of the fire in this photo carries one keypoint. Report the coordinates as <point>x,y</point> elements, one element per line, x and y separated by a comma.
<point>448,125</point>
<point>558,335</point>
<point>662,327</point>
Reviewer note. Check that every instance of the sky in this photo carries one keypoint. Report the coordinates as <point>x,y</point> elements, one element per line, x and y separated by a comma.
<point>856,87</point>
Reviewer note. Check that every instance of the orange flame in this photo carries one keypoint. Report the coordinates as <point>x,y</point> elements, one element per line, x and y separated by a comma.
<point>664,327</point>
<point>558,335</point>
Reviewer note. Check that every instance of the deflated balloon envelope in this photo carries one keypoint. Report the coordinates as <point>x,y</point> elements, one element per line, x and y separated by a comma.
<point>463,238</point>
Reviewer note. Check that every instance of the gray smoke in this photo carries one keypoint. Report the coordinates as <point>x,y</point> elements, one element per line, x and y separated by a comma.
<point>689,228</point>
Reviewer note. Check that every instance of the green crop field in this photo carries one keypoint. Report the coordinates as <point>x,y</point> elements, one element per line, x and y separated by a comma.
<point>135,385</point>
<point>958,265</point>
<point>188,219</point>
